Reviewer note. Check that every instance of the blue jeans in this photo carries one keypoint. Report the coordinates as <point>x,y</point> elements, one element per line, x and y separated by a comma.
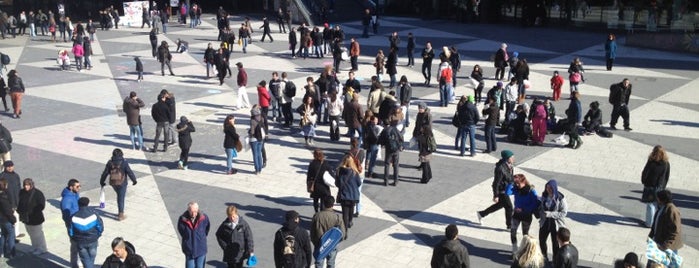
<point>490,142</point>
<point>444,94</point>
<point>230,154</point>
<point>392,82</point>
<point>276,109</point>
<point>650,212</point>
<point>197,262</point>
<point>87,252</point>
<point>257,154</point>
<point>372,154</point>
<point>7,241</point>
<point>121,195</point>
<point>245,45</point>
<point>136,131</point>
<point>471,130</point>
<point>330,258</point>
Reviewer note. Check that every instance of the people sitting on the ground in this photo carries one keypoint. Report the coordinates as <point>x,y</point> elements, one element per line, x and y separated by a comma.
<point>63,60</point>
<point>519,129</point>
<point>593,119</point>
<point>182,46</point>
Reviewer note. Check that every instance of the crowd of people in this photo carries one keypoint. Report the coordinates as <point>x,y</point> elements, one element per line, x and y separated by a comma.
<point>379,125</point>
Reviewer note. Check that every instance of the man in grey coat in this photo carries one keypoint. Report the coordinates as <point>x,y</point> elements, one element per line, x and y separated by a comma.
<point>132,109</point>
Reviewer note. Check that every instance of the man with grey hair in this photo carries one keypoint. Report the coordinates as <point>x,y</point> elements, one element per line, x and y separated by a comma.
<point>193,226</point>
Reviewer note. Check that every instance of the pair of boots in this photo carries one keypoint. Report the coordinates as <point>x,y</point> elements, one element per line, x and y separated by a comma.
<point>309,140</point>
<point>575,143</point>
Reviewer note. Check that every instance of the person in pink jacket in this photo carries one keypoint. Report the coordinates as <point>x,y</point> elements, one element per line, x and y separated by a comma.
<point>78,52</point>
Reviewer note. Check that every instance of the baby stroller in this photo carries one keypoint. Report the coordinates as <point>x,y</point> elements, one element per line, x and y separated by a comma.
<point>63,60</point>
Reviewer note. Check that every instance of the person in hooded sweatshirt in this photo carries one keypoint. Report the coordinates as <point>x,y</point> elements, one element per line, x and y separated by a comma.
<point>118,161</point>
<point>184,132</point>
<point>302,250</point>
<point>552,216</point>
<point>450,252</point>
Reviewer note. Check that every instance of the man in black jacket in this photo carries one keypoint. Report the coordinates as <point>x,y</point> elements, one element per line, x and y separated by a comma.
<point>164,57</point>
<point>292,244</point>
<point>450,252</point>
<point>161,115</point>
<point>6,145</point>
<point>619,95</point>
<point>468,117</point>
<point>503,176</point>
<point>265,30</point>
<point>567,256</point>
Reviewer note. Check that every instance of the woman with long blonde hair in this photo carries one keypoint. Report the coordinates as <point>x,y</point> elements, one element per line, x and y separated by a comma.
<point>348,182</point>
<point>654,177</point>
<point>529,254</point>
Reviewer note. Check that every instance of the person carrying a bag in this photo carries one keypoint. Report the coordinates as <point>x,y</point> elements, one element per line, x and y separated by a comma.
<point>315,185</point>
<point>117,169</point>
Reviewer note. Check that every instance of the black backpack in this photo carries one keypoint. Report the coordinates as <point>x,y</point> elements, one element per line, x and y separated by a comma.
<point>395,142</point>
<point>288,250</point>
<point>116,174</point>
<point>290,89</point>
<point>4,59</point>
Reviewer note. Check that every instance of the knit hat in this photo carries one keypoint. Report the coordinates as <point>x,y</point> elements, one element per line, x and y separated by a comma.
<point>506,154</point>
<point>631,259</point>
<point>499,83</point>
<point>422,105</point>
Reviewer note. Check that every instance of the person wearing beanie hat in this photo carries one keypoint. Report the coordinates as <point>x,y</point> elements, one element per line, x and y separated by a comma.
<point>504,177</point>
<point>512,62</point>
<point>291,230</point>
<point>184,130</point>
<point>257,135</point>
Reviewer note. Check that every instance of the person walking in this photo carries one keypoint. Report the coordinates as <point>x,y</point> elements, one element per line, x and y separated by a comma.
<point>69,206</point>
<point>504,175</point>
<point>468,117</point>
<point>123,255</point>
<point>139,68</point>
<point>501,60</point>
<point>117,169</point>
<point>132,108</point>
<point>301,251</point>
<point>243,101</point>
<point>266,30</point>
<point>264,98</point>
<point>667,224</point>
<point>231,143</point>
<point>655,176</point>
<point>556,85</point>
<point>31,213</point>
<point>193,226</point>
<point>450,252</point>
<point>526,203</point>
<point>315,184</point>
<point>427,56</point>
<point>322,222</point>
<point>574,114</point>
<point>610,50</point>
<point>7,221</point>
<point>161,115</point>
<point>209,60</point>
<point>164,57</point>
<point>348,181</point>
<point>422,133</point>
<point>308,119</point>
<point>5,144</point>
<point>619,96</point>
<point>575,72</point>
<point>234,236</point>
<point>184,132</point>
<point>554,209</point>
<point>86,228</point>
<point>16,86</point>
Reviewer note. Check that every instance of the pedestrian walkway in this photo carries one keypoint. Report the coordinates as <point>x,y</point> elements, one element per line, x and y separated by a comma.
<point>73,120</point>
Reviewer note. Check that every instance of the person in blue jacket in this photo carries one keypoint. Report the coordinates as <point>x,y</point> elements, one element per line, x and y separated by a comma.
<point>193,226</point>
<point>526,203</point>
<point>610,51</point>
<point>69,206</point>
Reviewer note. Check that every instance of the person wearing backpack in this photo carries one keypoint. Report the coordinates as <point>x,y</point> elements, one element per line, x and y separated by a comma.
<point>450,252</point>
<point>292,244</point>
<point>392,141</point>
<point>323,221</point>
<point>288,93</point>
<point>445,80</point>
<point>117,169</point>
<point>235,239</point>
<point>538,115</point>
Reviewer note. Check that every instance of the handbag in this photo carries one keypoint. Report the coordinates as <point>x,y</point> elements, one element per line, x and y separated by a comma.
<point>648,195</point>
<point>312,187</point>
<point>4,146</point>
<point>238,145</point>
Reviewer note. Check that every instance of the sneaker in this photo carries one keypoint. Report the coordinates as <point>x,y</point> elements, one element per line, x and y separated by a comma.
<point>185,168</point>
<point>180,165</point>
<point>480,218</point>
<point>612,127</point>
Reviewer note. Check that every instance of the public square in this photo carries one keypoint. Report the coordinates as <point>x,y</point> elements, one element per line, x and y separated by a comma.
<point>74,120</point>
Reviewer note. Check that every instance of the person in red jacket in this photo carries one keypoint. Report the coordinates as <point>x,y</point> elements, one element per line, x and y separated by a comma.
<point>263,98</point>
<point>556,84</point>
<point>243,101</point>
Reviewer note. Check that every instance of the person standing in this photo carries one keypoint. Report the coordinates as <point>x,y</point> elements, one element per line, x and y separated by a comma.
<point>574,115</point>
<point>526,202</point>
<point>69,206</point>
<point>504,175</point>
<point>184,132</point>
<point>366,20</point>
<point>275,98</point>
<point>426,144</point>
<point>230,142</point>
<point>14,186</point>
<point>164,57</point>
<point>221,64</point>
<point>132,108</point>
<point>538,115</point>
<point>280,20</point>
<point>411,50</point>
<point>446,74</point>
<point>556,85</point>
<point>610,51</point>
<point>266,30</point>
<point>450,252</point>
<point>288,92</point>
<point>529,254</point>
<point>405,94</point>
<point>86,228</point>
<point>455,61</point>
<point>123,255</point>
<point>209,60</point>
<point>293,41</point>
<point>354,54</point>
<point>7,221</point>
<point>301,255</point>
<point>335,110</point>
<point>31,213</point>
<point>554,209</point>
<point>243,101</point>
<point>654,177</point>
<point>308,119</point>
<point>477,76</point>
<point>257,136</point>
<point>235,238</point>
<point>16,86</point>
<point>193,227</point>
<point>314,179</point>
<point>161,115</point>
<point>567,256</point>
<point>667,224</point>
<point>391,64</point>
<point>501,60</point>
<point>78,52</point>
<point>5,144</point>
<point>468,117</point>
<point>575,71</point>
<point>348,181</point>
<point>427,56</point>
<point>117,169</point>
<point>619,96</point>
<point>321,223</point>
<point>3,92</point>
<point>492,114</point>
<point>337,54</point>
<point>392,141</point>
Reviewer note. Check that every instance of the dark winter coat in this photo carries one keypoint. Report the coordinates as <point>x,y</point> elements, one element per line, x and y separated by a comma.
<point>493,115</point>
<point>6,214</point>
<point>504,174</point>
<point>193,234</point>
<point>468,114</point>
<point>231,137</point>
<point>31,207</point>
<point>125,169</point>
<point>85,226</point>
<point>184,136</point>
<point>236,242</point>
<point>15,84</point>
<point>160,112</point>
<point>164,54</point>
<point>391,63</point>
<point>567,257</point>
<point>348,182</point>
<point>314,175</point>
<point>594,116</point>
<point>450,254</point>
<point>405,93</point>
<point>14,185</point>
<point>302,246</point>
<point>574,111</point>
<point>132,109</point>
<point>618,94</point>
<point>656,174</point>
<point>500,61</point>
<point>7,135</point>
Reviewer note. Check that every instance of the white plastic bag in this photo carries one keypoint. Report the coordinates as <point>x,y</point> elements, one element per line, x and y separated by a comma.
<point>413,143</point>
<point>473,82</point>
<point>328,179</point>
<point>246,144</point>
<point>561,140</point>
<point>102,203</point>
<point>378,153</point>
